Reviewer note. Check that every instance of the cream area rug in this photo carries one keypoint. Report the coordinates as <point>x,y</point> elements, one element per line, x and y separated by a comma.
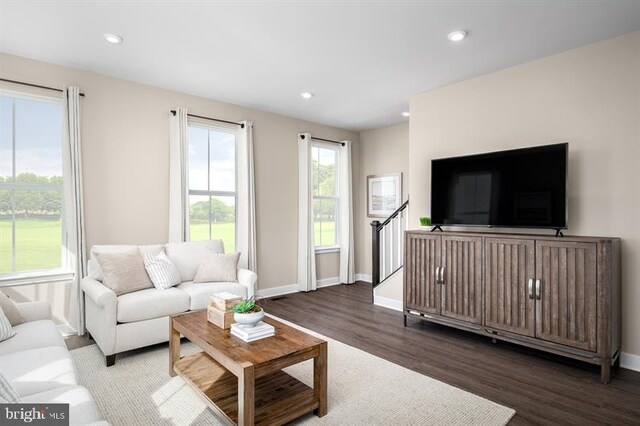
<point>363,390</point>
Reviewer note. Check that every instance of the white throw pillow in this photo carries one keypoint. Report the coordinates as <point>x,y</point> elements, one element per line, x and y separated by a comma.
<point>7,393</point>
<point>163,273</point>
<point>218,267</point>
<point>6,331</point>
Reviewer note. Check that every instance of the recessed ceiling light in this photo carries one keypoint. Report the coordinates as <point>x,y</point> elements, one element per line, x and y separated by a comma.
<point>306,95</point>
<point>112,38</point>
<point>406,114</point>
<point>457,35</point>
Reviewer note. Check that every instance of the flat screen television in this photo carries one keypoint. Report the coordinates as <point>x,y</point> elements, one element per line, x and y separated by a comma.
<point>517,188</point>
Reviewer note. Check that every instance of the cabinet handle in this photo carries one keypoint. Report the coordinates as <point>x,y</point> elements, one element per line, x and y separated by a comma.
<point>538,289</point>
<point>438,275</point>
<point>442,275</point>
<point>530,288</point>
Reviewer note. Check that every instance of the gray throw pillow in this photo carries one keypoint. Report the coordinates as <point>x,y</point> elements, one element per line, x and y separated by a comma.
<point>124,272</point>
<point>10,310</point>
<point>218,267</point>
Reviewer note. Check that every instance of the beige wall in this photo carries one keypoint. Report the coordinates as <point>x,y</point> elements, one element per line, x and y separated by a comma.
<point>125,129</point>
<point>384,150</point>
<point>589,97</point>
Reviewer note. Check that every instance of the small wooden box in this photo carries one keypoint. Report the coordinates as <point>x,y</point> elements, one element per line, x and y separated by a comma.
<point>224,301</point>
<point>220,318</point>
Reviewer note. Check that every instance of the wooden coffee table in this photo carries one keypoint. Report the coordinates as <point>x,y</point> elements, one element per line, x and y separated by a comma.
<point>243,383</point>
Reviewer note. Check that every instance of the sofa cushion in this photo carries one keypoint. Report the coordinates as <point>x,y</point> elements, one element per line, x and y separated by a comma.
<point>188,256</point>
<point>10,310</point>
<point>31,335</point>
<point>151,303</point>
<point>38,370</point>
<point>199,292</point>
<point>124,272</point>
<point>82,408</point>
<point>93,268</point>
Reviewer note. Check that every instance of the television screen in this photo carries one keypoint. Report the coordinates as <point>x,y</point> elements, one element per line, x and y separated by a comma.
<point>517,188</point>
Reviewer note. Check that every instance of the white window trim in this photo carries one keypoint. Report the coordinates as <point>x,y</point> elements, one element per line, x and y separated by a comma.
<point>333,247</point>
<point>327,249</point>
<point>43,276</point>
<point>231,129</point>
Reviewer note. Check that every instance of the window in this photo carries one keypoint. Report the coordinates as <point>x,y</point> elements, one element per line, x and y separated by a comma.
<point>324,159</point>
<point>212,184</point>
<point>31,229</point>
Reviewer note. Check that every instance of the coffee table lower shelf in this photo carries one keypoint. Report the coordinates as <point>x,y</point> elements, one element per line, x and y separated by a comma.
<point>279,397</point>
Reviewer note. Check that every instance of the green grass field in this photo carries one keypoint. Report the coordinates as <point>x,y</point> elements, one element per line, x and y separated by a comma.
<point>222,231</point>
<point>38,242</point>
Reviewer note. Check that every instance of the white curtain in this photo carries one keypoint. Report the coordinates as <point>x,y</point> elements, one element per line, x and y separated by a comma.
<point>74,244</point>
<point>246,213</point>
<point>347,263</point>
<point>178,177</point>
<point>306,248</point>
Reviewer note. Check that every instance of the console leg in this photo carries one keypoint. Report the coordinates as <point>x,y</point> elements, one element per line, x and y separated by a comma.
<point>605,371</point>
<point>405,319</point>
<point>110,359</point>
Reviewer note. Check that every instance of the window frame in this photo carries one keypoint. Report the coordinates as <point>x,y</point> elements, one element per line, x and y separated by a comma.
<point>43,275</point>
<point>329,248</point>
<point>219,127</point>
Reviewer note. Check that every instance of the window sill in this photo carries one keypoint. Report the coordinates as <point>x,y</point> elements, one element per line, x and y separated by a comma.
<point>26,278</point>
<point>327,249</point>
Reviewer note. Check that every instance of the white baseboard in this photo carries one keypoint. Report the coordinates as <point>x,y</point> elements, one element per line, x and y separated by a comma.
<point>277,291</point>
<point>327,282</point>
<point>293,288</point>
<point>363,277</point>
<point>630,361</point>
<point>385,302</point>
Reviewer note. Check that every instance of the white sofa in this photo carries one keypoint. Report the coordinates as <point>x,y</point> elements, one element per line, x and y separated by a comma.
<point>141,318</point>
<point>39,367</point>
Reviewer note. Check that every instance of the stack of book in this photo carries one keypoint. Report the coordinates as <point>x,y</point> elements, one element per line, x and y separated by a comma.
<point>251,334</point>
<point>219,309</point>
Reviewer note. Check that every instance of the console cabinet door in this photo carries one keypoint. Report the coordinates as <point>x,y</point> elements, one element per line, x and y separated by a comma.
<point>461,288</point>
<point>422,257</point>
<point>566,305</point>
<point>509,268</point>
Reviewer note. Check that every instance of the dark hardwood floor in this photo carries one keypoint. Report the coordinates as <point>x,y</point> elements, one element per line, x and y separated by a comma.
<point>542,388</point>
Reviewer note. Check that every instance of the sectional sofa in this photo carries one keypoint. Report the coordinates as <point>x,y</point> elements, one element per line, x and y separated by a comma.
<point>39,367</point>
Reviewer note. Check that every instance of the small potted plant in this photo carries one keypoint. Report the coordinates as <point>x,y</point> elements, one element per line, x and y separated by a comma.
<point>425,221</point>
<point>248,312</point>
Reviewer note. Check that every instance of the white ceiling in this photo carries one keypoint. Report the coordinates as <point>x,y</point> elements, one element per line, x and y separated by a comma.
<point>363,60</point>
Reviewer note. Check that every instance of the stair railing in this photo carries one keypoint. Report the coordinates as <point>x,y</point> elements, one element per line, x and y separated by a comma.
<point>387,245</point>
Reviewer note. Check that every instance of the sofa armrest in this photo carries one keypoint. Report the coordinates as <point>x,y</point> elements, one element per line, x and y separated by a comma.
<point>101,308</point>
<point>34,311</point>
<point>100,294</point>
<point>248,279</point>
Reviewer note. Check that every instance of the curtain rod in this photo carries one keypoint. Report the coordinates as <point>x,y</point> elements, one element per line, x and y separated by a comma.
<point>34,85</point>
<point>173,111</point>
<point>324,140</point>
